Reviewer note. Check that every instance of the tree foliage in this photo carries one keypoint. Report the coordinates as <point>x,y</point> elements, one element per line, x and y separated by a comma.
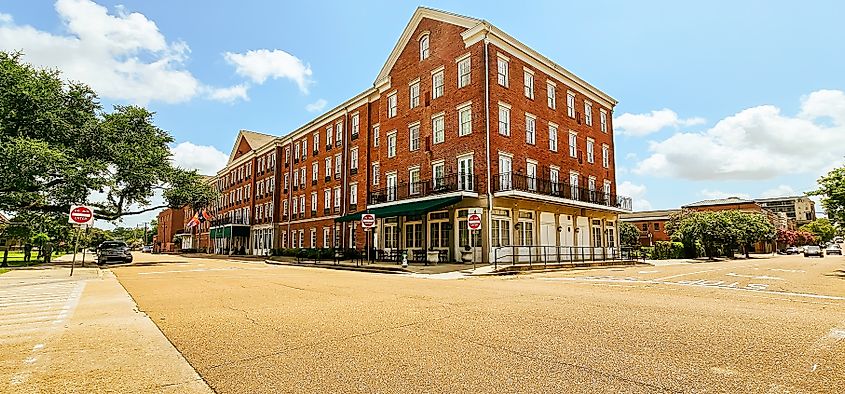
<point>821,228</point>
<point>717,231</point>
<point>832,190</point>
<point>58,148</point>
<point>795,238</point>
<point>629,235</point>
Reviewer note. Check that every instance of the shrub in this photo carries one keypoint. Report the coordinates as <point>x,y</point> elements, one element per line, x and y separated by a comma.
<point>664,250</point>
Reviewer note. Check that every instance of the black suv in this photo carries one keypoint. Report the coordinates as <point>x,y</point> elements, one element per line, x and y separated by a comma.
<point>113,251</point>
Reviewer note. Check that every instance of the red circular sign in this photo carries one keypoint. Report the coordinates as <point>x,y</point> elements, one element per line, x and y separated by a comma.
<point>474,221</point>
<point>80,215</point>
<point>368,220</point>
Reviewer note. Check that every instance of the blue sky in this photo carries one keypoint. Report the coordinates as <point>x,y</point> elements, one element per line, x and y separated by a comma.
<point>715,99</point>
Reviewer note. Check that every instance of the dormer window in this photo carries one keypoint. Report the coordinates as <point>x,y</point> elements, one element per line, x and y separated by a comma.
<point>424,47</point>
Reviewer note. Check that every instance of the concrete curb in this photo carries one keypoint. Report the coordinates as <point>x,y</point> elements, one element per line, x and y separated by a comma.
<point>524,269</point>
<point>377,270</point>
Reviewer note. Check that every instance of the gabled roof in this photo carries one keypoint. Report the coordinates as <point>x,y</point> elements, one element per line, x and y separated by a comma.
<point>254,139</point>
<point>720,201</point>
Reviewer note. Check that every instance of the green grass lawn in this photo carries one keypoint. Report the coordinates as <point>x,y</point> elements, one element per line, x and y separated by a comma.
<point>3,271</point>
<point>15,258</point>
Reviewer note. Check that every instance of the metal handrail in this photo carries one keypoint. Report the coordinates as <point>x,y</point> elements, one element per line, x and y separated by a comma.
<point>508,181</point>
<point>546,254</point>
<point>404,190</point>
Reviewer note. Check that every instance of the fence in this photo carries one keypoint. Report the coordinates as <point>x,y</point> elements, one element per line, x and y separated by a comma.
<point>538,254</point>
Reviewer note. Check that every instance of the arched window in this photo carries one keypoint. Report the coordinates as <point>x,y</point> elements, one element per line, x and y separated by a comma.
<point>424,47</point>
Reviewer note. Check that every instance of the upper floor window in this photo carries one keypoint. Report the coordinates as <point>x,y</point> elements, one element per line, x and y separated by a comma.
<point>464,72</point>
<point>353,158</point>
<point>588,113</point>
<point>570,105</point>
<point>391,144</point>
<point>424,47</point>
<point>316,141</point>
<point>415,94</point>
<point>529,84</point>
<point>391,105</point>
<point>375,179</point>
<point>553,138</point>
<point>375,136</point>
<point>315,169</point>
<point>550,93</point>
<point>438,128</point>
<point>504,120</point>
<point>603,120</point>
<point>605,156</point>
<point>356,124</point>
<point>591,158</point>
<point>530,129</point>
<point>414,137</point>
<point>465,119</point>
<point>338,132</point>
<point>573,144</point>
<point>502,67</point>
<point>437,83</point>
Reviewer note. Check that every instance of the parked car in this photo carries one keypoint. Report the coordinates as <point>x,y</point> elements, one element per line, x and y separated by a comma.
<point>813,250</point>
<point>833,249</point>
<point>792,250</point>
<point>147,249</point>
<point>113,251</point>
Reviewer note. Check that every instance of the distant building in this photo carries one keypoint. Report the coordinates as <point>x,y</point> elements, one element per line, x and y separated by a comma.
<point>170,223</point>
<point>801,209</point>
<point>652,224</point>
<point>742,205</point>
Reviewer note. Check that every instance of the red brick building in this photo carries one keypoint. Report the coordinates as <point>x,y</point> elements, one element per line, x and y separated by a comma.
<point>170,223</point>
<point>652,224</point>
<point>462,117</point>
<point>742,205</point>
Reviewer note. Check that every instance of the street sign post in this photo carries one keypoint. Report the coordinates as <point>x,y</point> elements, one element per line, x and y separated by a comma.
<point>368,220</point>
<point>81,217</point>
<point>474,224</point>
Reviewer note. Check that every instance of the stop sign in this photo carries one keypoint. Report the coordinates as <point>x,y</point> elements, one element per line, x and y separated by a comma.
<point>81,215</point>
<point>474,221</point>
<point>368,220</point>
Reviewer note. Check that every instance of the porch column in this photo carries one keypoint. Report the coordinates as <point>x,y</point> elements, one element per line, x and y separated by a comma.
<point>557,236</point>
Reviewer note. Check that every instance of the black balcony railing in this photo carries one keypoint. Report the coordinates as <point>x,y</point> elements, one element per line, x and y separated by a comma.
<point>406,190</point>
<point>229,220</point>
<point>521,182</point>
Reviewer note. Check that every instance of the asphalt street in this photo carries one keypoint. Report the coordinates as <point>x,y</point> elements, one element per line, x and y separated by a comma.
<point>764,325</point>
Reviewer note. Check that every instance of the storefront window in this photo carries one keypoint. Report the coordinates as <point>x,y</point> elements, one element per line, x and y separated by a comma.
<point>413,235</point>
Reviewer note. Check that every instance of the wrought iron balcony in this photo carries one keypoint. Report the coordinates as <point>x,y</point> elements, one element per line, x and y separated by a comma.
<point>407,190</point>
<point>521,182</point>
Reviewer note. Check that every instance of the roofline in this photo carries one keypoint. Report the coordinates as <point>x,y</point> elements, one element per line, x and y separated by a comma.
<point>308,127</point>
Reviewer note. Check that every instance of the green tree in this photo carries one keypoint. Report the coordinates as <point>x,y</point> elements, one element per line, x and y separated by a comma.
<point>750,228</point>
<point>712,229</point>
<point>832,190</point>
<point>821,228</point>
<point>629,235</point>
<point>58,147</point>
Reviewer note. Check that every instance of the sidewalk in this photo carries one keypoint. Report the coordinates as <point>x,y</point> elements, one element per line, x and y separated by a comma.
<point>82,334</point>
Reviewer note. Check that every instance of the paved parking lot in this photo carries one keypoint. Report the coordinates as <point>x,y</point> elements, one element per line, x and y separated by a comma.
<point>763,325</point>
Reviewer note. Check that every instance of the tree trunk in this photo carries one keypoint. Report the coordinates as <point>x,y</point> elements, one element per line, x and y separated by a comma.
<point>5,258</point>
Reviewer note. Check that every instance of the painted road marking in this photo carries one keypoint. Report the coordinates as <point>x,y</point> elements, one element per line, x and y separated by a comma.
<point>649,272</point>
<point>716,284</point>
<point>763,277</point>
<point>786,270</point>
<point>690,273</point>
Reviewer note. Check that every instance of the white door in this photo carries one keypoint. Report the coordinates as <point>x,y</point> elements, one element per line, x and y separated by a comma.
<point>465,181</point>
<point>505,170</point>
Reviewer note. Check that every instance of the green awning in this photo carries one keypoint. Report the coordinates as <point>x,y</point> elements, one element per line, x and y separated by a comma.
<point>414,208</point>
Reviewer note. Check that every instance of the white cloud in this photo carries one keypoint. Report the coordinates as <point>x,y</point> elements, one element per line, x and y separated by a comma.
<point>756,143</point>
<point>261,64</point>
<point>5,18</point>
<point>316,106</point>
<point>122,56</point>
<point>643,124</point>
<point>718,194</point>
<point>779,191</point>
<point>230,94</point>
<point>207,160</point>
<point>637,194</point>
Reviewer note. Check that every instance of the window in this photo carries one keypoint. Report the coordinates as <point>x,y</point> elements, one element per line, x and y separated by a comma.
<point>591,157</point>
<point>465,173</point>
<point>391,105</point>
<point>294,207</point>
<point>328,167</point>
<point>286,182</point>
<point>588,113</point>
<point>573,144</point>
<point>605,156</point>
<point>413,235</point>
<point>606,190</point>
<point>504,120</point>
<point>391,237</point>
<point>302,204</point>
<point>376,136</point>
<point>528,79</point>
<point>438,230</point>
<point>287,159</point>
<point>353,194</point>
<point>464,233</point>
<point>573,184</point>
<point>302,174</point>
<point>656,226</point>
<point>314,201</point>
<point>525,229</point>
<point>316,141</point>
<point>301,238</point>
<point>337,165</point>
<point>554,179</point>
<point>356,124</point>
<point>603,120</point>
<point>391,144</point>
<point>285,207</point>
<point>296,152</point>
<point>391,186</point>
<point>313,238</point>
<point>502,67</point>
<point>531,173</point>
<point>570,104</point>
<point>591,186</point>
<point>338,133</point>
<point>375,179</point>
<point>645,226</point>
<point>550,93</point>
<point>465,118</point>
<point>530,129</point>
<point>437,170</point>
<point>500,228</point>
<point>328,137</point>
<point>552,138</point>
<point>414,181</point>
<point>437,127</point>
<point>353,158</point>
<point>414,137</point>
<point>315,168</point>
<point>424,47</point>
<point>337,197</point>
<point>327,198</point>
<point>437,84</point>
<point>505,172</point>
<point>464,72</point>
<point>327,232</point>
<point>415,94</point>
